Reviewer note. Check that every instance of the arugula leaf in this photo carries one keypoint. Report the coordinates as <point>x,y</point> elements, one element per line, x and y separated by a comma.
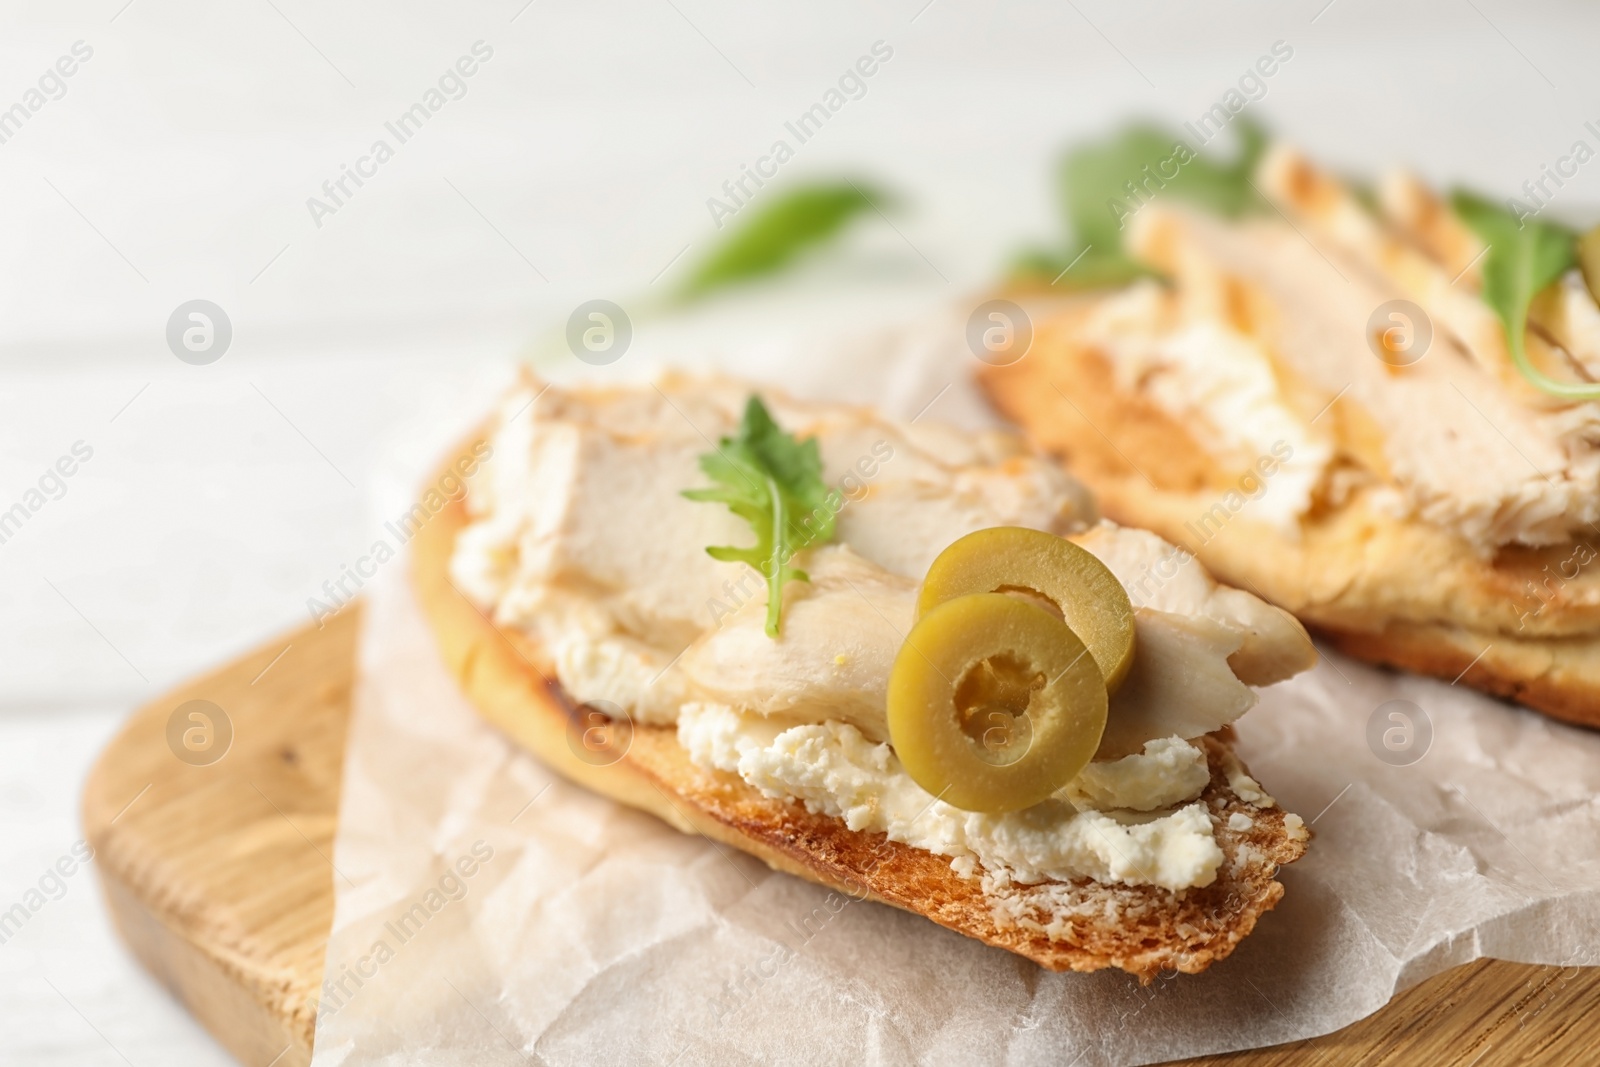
<point>1096,174</point>
<point>1523,258</point>
<point>783,228</point>
<point>774,483</point>
<point>1095,201</point>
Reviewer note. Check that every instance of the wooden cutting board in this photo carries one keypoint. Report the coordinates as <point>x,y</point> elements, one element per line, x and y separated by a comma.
<point>217,873</point>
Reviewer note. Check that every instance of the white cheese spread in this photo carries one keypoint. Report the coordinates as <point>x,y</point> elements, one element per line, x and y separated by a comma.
<point>834,770</point>
<point>1169,771</point>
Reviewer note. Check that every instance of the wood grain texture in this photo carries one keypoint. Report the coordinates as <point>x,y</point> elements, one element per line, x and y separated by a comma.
<point>219,878</point>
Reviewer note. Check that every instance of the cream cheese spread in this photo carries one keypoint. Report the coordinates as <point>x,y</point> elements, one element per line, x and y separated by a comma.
<point>1098,829</point>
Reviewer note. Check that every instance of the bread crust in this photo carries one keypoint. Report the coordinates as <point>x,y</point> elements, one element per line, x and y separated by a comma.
<point>1382,588</point>
<point>1081,926</point>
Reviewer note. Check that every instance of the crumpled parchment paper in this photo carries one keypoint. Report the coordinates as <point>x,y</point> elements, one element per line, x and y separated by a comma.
<point>489,912</point>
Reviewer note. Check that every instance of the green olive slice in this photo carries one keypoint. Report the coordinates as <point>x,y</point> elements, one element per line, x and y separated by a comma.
<point>1014,558</point>
<point>994,704</point>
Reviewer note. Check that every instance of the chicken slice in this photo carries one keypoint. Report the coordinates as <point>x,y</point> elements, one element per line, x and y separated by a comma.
<point>1161,576</point>
<point>1181,684</point>
<point>843,629</point>
<point>839,637</point>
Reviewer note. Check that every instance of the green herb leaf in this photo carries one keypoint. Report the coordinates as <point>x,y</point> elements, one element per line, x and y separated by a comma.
<point>1523,258</point>
<point>779,231</point>
<point>1087,268</point>
<point>773,482</point>
<point>1096,200</point>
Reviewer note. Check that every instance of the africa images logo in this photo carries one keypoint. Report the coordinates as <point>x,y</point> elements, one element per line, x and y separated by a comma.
<point>851,85</point>
<point>452,85</point>
<point>448,489</point>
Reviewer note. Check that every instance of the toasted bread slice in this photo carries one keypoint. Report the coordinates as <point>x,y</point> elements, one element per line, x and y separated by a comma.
<point>1383,588</point>
<point>1080,926</point>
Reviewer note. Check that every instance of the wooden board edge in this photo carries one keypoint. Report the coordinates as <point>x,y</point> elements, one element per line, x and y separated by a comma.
<point>231,1011</point>
<point>202,950</point>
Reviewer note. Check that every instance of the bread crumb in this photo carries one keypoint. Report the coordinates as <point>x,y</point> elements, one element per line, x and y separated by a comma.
<point>1245,787</point>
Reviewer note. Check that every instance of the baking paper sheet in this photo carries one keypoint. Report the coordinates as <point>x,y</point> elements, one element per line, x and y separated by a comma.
<point>488,912</point>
